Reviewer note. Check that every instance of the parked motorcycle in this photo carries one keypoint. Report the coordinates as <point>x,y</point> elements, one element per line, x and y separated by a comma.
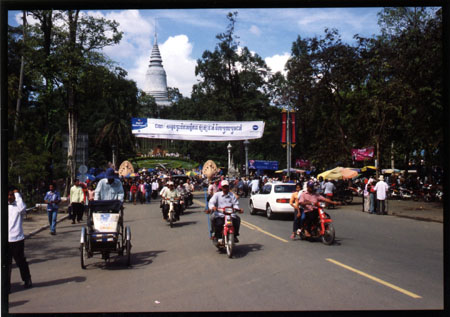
<point>321,228</point>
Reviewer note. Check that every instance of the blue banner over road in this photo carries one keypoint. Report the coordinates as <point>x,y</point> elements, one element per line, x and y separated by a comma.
<point>196,130</point>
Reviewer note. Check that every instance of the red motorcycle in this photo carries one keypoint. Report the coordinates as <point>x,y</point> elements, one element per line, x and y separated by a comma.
<point>322,227</point>
<point>226,240</point>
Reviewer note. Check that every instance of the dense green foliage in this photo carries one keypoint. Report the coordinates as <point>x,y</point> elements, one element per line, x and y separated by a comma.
<point>381,91</point>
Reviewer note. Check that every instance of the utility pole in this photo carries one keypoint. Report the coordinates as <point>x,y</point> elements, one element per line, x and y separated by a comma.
<point>288,143</point>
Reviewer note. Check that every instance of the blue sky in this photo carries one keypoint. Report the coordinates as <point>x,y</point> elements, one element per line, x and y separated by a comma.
<point>184,34</point>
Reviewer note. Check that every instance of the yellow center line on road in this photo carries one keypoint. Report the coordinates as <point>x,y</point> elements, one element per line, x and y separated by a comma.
<point>249,225</point>
<point>373,278</point>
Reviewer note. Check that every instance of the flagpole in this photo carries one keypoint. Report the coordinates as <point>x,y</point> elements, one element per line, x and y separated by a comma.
<point>288,143</point>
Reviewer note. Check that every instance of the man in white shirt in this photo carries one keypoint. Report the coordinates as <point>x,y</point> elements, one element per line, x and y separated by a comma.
<point>155,187</point>
<point>16,238</point>
<point>223,199</point>
<point>381,188</point>
<point>254,184</point>
<point>109,188</point>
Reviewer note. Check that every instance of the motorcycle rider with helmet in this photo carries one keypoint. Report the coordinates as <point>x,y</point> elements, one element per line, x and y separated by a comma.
<point>308,201</point>
<point>222,199</point>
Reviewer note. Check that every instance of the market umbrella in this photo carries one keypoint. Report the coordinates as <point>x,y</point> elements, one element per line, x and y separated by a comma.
<point>333,174</point>
<point>368,168</point>
<point>191,173</point>
<point>390,171</point>
<point>348,173</point>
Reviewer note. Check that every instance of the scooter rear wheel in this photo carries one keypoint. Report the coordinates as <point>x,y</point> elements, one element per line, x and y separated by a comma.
<point>328,236</point>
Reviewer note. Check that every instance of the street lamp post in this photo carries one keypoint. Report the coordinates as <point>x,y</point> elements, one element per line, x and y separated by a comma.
<point>246,143</point>
<point>229,156</point>
<point>114,155</point>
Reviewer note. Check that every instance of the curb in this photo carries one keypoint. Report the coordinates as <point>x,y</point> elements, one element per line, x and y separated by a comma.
<point>44,227</point>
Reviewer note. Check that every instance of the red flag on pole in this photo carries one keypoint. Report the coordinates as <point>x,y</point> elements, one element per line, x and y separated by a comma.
<point>293,129</point>
<point>283,127</point>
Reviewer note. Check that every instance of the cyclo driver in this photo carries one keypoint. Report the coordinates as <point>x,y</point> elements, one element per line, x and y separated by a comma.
<point>308,201</point>
<point>170,192</point>
<point>223,199</point>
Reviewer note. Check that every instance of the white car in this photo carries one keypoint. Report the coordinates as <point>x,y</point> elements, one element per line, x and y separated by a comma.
<point>273,198</point>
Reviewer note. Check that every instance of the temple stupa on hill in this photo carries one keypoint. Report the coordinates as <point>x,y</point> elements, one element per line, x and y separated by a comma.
<point>155,78</point>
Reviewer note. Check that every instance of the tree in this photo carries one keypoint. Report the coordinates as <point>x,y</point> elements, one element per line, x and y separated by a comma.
<point>232,86</point>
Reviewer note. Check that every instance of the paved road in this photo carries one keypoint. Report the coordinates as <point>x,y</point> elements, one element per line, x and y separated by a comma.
<point>377,262</point>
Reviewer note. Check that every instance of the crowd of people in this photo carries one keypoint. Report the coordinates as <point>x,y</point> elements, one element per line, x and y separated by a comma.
<point>173,183</point>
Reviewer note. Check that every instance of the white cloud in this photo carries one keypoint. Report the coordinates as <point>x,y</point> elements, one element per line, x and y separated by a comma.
<point>178,63</point>
<point>277,62</point>
<point>255,30</point>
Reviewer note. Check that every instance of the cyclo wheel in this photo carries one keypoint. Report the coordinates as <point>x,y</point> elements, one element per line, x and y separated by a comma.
<point>128,251</point>
<point>328,236</point>
<point>229,244</point>
<point>83,255</point>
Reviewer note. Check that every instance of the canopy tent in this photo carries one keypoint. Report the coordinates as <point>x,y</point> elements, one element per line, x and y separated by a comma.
<point>292,170</point>
<point>191,173</point>
<point>390,171</point>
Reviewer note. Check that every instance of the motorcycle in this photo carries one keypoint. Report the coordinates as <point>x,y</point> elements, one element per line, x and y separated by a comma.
<point>322,227</point>
<point>171,214</point>
<point>226,238</point>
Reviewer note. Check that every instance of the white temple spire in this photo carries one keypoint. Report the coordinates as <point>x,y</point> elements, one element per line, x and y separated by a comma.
<point>156,82</point>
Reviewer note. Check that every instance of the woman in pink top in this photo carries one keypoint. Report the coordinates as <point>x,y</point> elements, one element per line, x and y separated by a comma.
<point>91,192</point>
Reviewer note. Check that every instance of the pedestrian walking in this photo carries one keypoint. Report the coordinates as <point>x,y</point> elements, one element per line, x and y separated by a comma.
<point>133,192</point>
<point>381,188</point>
<point>77,201</point>
<point>52,199</point>
<point>91,192</point>
<point>16,238</point>
<point>141,191</point>
<point>155,188</point>
<point>298,212</point>
<point>148,191</point>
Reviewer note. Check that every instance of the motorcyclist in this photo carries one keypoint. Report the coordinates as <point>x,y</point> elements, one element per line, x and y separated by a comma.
<point>308,201</point>
<point>170,192</point>
<point>189,188</point>
<point>223,199</point>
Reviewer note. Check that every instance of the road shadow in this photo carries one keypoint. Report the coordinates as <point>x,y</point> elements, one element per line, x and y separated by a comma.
<point>18,303</point>
<point>184,223</point>
<point>48,252</point>
<point>188,212</point>
<point>17,287</point>
<point>116,262</point>
<point>241,250</point>
<point>336,242</point>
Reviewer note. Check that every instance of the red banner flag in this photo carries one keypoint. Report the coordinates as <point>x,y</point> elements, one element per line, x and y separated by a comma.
<point>283,127</point>
<point>293,129</point>
<point>362,154</point>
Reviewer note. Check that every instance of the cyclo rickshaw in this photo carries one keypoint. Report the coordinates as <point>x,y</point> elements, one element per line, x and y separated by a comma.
<point>104,233</point>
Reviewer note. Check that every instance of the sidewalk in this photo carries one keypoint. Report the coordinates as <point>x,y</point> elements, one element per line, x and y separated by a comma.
<point>37,221</point>
<point>418,210</point>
